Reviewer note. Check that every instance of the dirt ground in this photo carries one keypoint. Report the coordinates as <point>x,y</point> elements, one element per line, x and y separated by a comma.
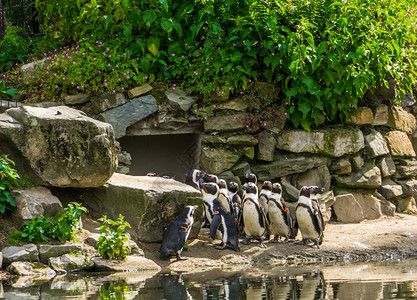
<point>387,237</point>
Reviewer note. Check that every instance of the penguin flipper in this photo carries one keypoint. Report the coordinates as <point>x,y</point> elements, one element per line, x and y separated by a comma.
<point>215,224</point>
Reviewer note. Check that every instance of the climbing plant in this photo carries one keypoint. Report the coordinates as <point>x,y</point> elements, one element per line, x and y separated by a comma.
<point>8,178</point>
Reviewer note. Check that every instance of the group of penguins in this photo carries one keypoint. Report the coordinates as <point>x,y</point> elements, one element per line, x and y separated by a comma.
<point>255,215</point>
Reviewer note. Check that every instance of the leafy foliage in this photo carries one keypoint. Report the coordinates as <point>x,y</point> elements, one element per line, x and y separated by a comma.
<point>42,228</point>
<point>322,55</point>
<point>37,231</point>
<point>8,179</point>
<point>63,228</point>
<point>13,48</point>
<point>113,242</point>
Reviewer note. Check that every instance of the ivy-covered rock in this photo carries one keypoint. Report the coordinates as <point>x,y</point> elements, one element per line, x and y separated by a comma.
<point>333,142</point>
<point>148,203</point>
<point>62,146</point>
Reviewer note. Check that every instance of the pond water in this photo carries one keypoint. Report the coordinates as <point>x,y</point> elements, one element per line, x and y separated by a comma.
<point>376,280</point>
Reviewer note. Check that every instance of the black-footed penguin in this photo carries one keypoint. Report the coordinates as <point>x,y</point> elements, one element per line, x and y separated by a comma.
<point>177,233</point>
<point>223,225</point>
<point>252,217</point>
<point>264,195</point>
<point>280,221</point>
<point>309,217</point>
<point>224,194</point>
<point>250,178</point>
<point>211,178</point>
<point>210,191</point>
<point>195,178</point>
<point>235,199</point>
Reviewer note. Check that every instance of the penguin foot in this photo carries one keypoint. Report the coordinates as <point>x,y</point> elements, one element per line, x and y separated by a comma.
<point>220,246</point>
<point>316,245</point>
<point>246,241</point>
<point>274,240</point>
<point>262,245</point>
<point>302,242</point>
<point>286,239</point>
<point>179,257</point>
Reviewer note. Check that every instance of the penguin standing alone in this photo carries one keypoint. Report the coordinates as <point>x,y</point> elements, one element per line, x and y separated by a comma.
<point>177,234</point>
<point>280,222</point>
<point>309,217</point>
<point>252,218</point>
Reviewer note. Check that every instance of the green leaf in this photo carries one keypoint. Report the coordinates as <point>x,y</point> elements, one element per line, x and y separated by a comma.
<point>304,108</point>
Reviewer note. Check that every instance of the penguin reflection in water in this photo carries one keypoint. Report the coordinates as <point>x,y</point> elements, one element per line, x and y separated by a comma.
<point>309,217</point>
<point>252,218</point>
<point>177,234</point>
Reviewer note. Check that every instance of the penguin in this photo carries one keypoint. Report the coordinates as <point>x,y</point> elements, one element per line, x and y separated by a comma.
<point>224,195</point>
<point>264,195</point>
<point>210,191</point>
<point>252,217</point>
<point>223,224</point>
<point>235,199</point>
<point>177,233</point>
<point>250,178</point>
<point>280,221</point>
<point>309,217</point>
<point>195,178</point>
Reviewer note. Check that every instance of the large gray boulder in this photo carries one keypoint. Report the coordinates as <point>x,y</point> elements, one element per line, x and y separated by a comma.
<point>369,177</point>
<point>125,115</point>
<point>333,142</point>
<point>24,268</point>
<point>48,251</point>
<point>149,204</point>
<point>27,252</point>
<point>35,202</point>
<point>70,263</point>
<point>347,209</point>
<point>61,146</point>
<point>375,143</point>
<point>132,263</point>
<point>287,164</point>
<point>216,160</point>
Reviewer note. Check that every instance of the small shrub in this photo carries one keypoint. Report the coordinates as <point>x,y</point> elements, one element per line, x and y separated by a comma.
<point>37,231</point>
<point>42,228</point>
<point>8,178</point>
<point>113,242</point>
<point>65,224</point>
<point>13,48</point>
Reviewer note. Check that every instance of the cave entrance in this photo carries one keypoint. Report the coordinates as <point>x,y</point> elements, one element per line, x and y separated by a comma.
<point>171,155</point>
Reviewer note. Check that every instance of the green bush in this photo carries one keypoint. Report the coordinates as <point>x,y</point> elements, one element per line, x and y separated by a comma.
<point>113,242</point>
<point>322,55</point>
<point>43,228</point>
<point>8,179</point>
<point>13,48</point>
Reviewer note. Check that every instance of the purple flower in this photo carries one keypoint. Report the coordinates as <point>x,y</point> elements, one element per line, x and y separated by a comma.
<point>173,54</point>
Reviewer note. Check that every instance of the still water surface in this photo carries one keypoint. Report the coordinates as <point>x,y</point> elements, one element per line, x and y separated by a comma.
<point>376,280</point>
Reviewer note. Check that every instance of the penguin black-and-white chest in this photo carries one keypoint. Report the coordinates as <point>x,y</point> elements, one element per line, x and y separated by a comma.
<point>307,219</point>
<point>263,200</point>
<point>280,222</point>
<point>210,192</point>
<point>253,219</point>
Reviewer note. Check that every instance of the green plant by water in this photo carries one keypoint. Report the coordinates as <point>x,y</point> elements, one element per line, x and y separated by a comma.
<point>8,179</point>
<point>43,228</point>
<point>114,242</point>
